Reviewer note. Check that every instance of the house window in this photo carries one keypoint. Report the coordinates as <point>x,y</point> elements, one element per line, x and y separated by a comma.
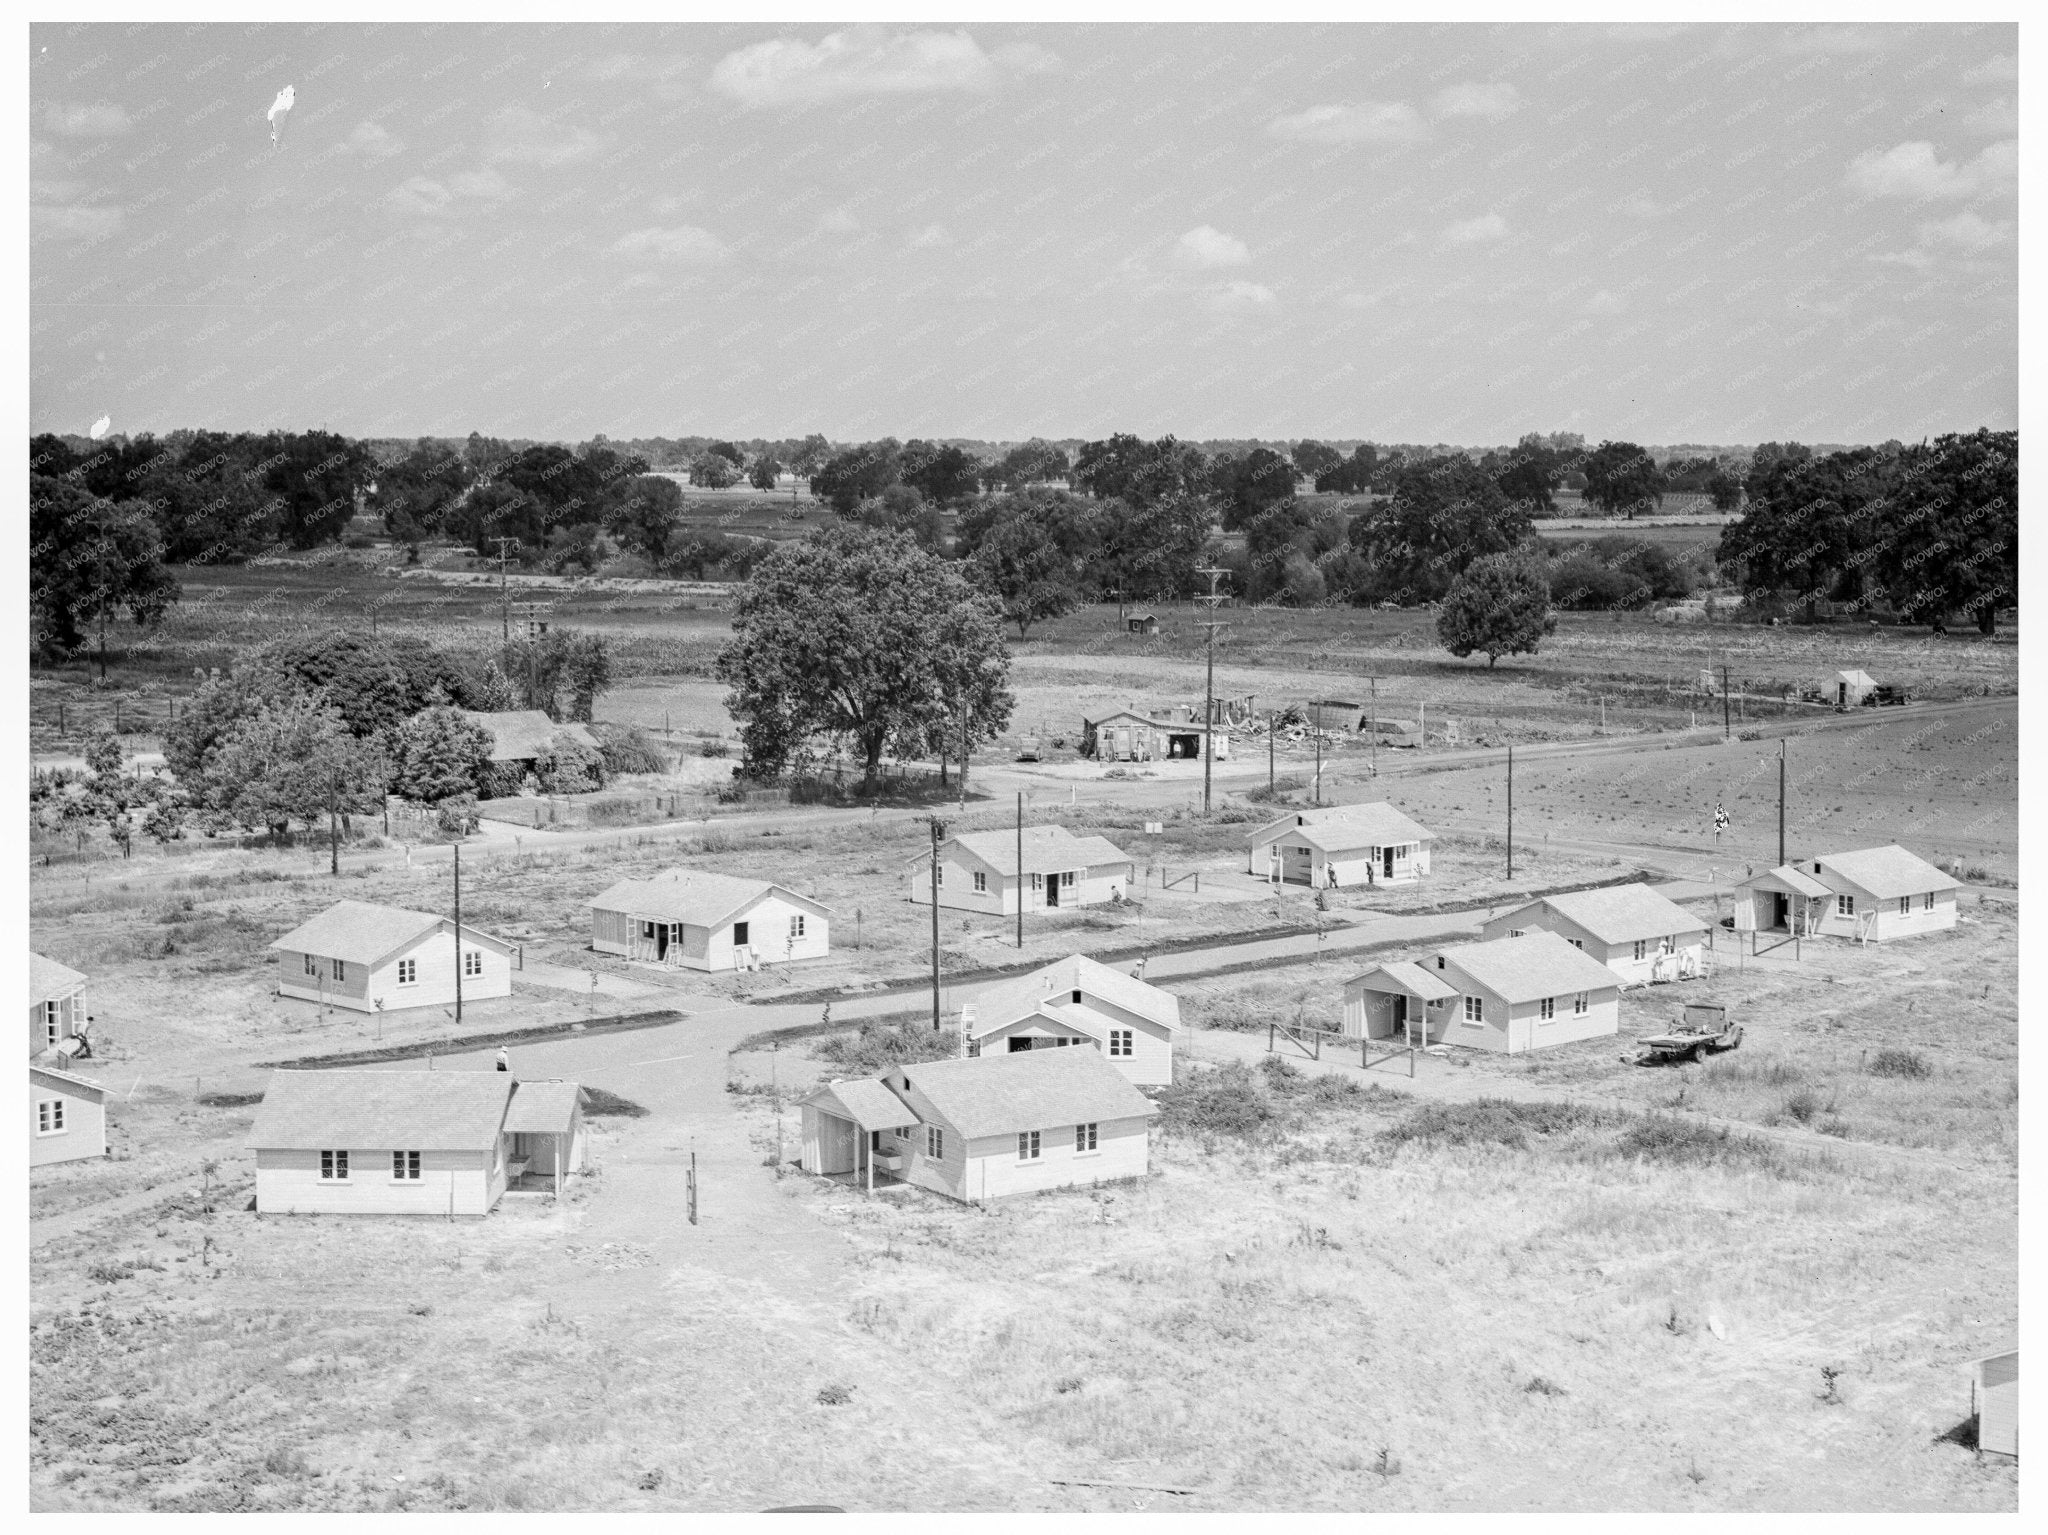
<point>340,970</point>
<point>473,962</point>
<point>740,935</point>
<point>1077,996</point>
<point>1905,906</point>
<point>941,876</point>
<point>1845,906</point>
<point>1084,1137</point>
<point>334,1166</point>
<point>796,927</point>
<point>1027,1146</point>
<point>1439,961</point>
<point>1580,945</point>
<point>408,972</point>
<point>1038,882</point>
<point>1516,932</point>
<point>1640,946</point>
<point>1927,901</point>
<point>1666,945</point>
<point>50,1117</point>
<point>1067,880</point>
<point>50,1025</point>
<point>312,964</point>
<point>935,1143</point>
<point>980,882</point>
<point>1579,1005</point>
<point>1474,1010</point>
<point>405,1166</point>
<point>1120,1041</point>
<point>1548,1010</point>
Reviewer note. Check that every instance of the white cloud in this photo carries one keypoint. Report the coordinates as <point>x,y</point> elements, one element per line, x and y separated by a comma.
<point>839,222</point>
<point>96,120</point>
<point>928,238</point>
<point>637,68</point>
<point>1835,39</point>
<point>868,61</point>
<point>372,142</point>
<point>1967,231</point>
<point>520,135</point>
<point>74,221</point>
<point>1604,302</point>
<point>421,195</point>
<point>487,183</point>
<point>1914,171</point>
<point>57,208</point>
<point>1376,122</point>
<point>1233,296</point>
<point>683,242</point>
<point>1491,100</point>
<point>1998,119</point>
<point>1999,69</point>
<point>1208,247</point>
<point>1483,230</point>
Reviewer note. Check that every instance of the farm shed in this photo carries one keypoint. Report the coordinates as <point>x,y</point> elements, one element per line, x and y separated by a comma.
<point>1007,1124</point>
<point>685,918</point>
<point>1142,623</point>
<point>1875,893</point>
<point>1995,1400</point>
<point>67,1116</point>
<point>853,1128</point>
<point>1846,689</point>
<point>1635,932</point>
<point>1400,1000</point>
<point>1335,714</point>
<point>524,736</point>
<point>357,955</point>
<point>1526,993</point>
<point>1128,736</point>
<point>978,871</point>
<point>56,1003</point>
<point>1349,845</point>
<point>1078,1001</point>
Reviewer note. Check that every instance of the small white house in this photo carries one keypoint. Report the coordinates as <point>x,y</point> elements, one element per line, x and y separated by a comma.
<point>991,1126</point>
<point>67,1116</point>
<point>408,1142</point>
<point>1877,893</point>
<point>1995,1401</point>
<point>1782,900</point>
<point>56,1004</point>
<point>689,919</point>
<point>979,871</point>
<point>1846,689</point>
<point>358,955</point>
<point>1508,994</point>
<point>1638,934</point>
<point>1077,1001</point>
<point>1341,845</point>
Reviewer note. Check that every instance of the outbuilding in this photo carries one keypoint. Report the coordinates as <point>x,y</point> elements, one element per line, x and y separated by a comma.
<point>1142,623</point>
<point>1079,1001</point>
<point>1995,1401</point>
<point>1130,736</point>
<point>699,921</point>
<point>56,1004</point>
<point>1637,933</point>
<point>1510,994</point>
<point>979,871</point>
<point>1847,689</point>
<point>367,957</point>
<point>522,738</point>
<point>1341,845</point>
<point>67,1116</point>
<point>1877,893</point>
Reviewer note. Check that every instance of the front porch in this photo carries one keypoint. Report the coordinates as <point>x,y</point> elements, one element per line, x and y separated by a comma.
<point>1400,1002</point>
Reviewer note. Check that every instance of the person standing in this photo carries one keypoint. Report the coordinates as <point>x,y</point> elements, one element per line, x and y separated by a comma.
<point>504,1059</point>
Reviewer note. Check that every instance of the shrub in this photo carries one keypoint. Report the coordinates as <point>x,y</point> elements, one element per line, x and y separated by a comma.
<point>1669,1138</point>
<point>570,767</point>
<point>1900,1063</point>
<point>626,749</point>
<point>1226,1101</point>
<point>598,1103</point>
<point>1489,1121</point>
<point>876,1047</point>
<point>835,1396</point>
<point>1803,1105</point>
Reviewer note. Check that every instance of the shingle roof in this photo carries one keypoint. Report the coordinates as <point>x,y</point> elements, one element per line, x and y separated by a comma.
<point>541,1108</point>
<point>1888,871</point>
<point>519,734</point>
<point>71,1080</point>
<point>864,1101</point>
<point>1342,828</point>
<point>1621,913</point>
<point>47,979</point>
<point>1045,848</point>
<point>1790,878</point>
<point>1028,1090</point>
<point>1534,965</point>
<point>381,1110</point>
<point>1011,1000</point>
<point>359,931</point>
<point>692,897</point>
<point>1409,977</point>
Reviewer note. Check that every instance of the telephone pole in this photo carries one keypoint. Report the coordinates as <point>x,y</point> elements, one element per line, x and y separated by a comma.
<point>505,547</point>
<point>458,933</point>
<point>1511,812</point>
<point>1211,600</point>
<point>1781,802</point>
<point>1020,868</point>
<point>1373,720</point>
<point>938,830</point>
<point>1271,725</point>
<point>1725,731</point>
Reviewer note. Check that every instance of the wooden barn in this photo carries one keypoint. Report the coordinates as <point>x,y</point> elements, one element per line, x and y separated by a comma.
<point>978,871</point>
<point>1341,845</point>
<point>1508,994</point>
<point>408,1142</point>
<point>56,1004</point>
<point>1638,934</point>
<point>357,955</point>
<point>1142,623</point>
<point>522,737</point>
<point>1995,1401</point>
<point>1875,894</point>
<point>684,918</point>
<point>1845,689</point>
<point>67,1116</point>
<point>1128,736</point>
<point>1077,1001</point>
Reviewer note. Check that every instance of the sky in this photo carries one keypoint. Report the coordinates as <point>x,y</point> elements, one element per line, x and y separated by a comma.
<point>1453,233</point>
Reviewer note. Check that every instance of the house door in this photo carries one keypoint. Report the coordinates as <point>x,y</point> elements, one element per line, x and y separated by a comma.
<point>1019,1042</point>
<point>1052,889</point>
<point>1781,910</point>
<point>1842,694</point>
<point>661,932</point>
<point>1387,863</point>
<point>739,935</point>
<point>1401,1014</point>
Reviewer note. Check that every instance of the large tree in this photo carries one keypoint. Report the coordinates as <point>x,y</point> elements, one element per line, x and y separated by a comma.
<point>1150,549</point>
<point>1621,479</point>
<point>1245,487</point>
<point>415,494</point>
<point>1312,458</point>
<point>292,760</point>
<point>438,754</point>
<point>89,558</point>
<point>1445,512</point>
<point>1499,605</point>
<point>1021,563</point>
<point>943,474</point>
<point>1809,519</point>
<point>1530,473</point>
<point>846,633</point>
<point>1950,540</point>
<point>1138,472</point>
<point>1351,476</point>
<point>857,475</point>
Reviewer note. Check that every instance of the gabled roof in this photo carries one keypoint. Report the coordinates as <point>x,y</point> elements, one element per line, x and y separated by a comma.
<point>1790,879</point>
<point>1342,828</point>
<point>1887,871</point>
<point>1855,679</point>
<point>1045,847</point>
<point>1028,1090</point>
<point>1006,1003</point>
<point>1620,913</point>
<point>865,1101</point>
<point>48,980</point>
<point>1406,975</point>
<point>693,897</point>
<point>382,1110</point>
<point>364,933</point>
<point>1534,965</point>
<point>84,1086</point>
<point>519,734</point>
<point>542,1108</point>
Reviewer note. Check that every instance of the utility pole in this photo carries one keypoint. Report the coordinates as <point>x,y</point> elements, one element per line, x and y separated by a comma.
<point>458,933</point>
<point>1211,600</point>
<point>1511,812</point>
<point>1373,720</point>
<point>1725,731</point>
<point>964,738</point>
<point>938,829</point>
<point>1781,802</point>
<point>1316,731</point>
<point>1272,728</point>
<point>505,546</point>
<point>1020,868</point>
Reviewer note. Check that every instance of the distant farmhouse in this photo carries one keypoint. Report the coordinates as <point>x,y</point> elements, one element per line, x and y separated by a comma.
<point>1077,1001</point>
<point>1509,994</point>
<point>699,921</point>
<point>1341,845</point>
<point>1130,736</point>
<point>1878,893</point>
<point>410,1142</point>
<point>1638,934</point>
<point>978,871</point>
<point>522,738</point>
<point>356,954</point>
